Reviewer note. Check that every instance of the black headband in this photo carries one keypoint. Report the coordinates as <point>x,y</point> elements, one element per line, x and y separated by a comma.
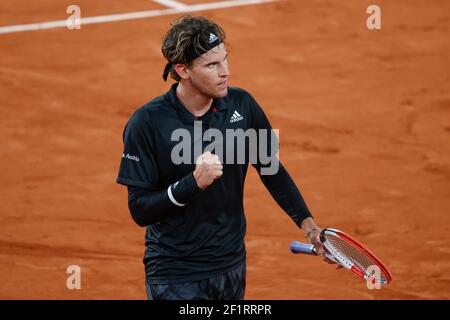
<point>207,39</point>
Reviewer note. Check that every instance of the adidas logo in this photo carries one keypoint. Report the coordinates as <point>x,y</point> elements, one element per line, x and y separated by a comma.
<point>212,38</point>
<point>236,117</point>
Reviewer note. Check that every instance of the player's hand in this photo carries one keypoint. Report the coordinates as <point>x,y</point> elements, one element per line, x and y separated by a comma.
<point>314,237</point>
<point>207,169</point>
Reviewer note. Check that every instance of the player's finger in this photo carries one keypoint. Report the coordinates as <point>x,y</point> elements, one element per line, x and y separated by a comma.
<point>209,160</point>
<point>216,166</point>
<point>319,249</point>
<point>203,158</point>
<point>215,159</point>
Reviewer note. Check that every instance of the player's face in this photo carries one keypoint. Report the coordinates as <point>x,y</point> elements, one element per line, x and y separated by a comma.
<point>209,73</point>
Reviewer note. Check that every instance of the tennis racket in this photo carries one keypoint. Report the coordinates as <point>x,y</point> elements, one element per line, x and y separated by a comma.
<point>349,253</point>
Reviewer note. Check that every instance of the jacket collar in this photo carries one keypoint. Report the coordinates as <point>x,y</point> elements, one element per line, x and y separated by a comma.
<point>185,115</point>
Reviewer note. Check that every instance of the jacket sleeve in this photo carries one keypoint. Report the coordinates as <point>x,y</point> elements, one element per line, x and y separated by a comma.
<point>272,173</point>
<point>149,207</point>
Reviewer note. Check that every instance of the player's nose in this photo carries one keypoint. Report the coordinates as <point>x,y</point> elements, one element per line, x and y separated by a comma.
<point>223,70</point>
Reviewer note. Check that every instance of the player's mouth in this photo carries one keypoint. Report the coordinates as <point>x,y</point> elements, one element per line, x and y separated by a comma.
<point>223,84</point>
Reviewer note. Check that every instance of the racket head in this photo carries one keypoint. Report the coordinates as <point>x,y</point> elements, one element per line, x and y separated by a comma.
<point>353,254</point>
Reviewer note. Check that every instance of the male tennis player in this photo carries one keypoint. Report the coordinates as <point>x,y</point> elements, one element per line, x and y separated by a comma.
<point>193,210</point>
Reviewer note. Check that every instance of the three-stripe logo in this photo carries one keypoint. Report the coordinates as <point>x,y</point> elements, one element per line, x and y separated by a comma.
<point>236,117</point>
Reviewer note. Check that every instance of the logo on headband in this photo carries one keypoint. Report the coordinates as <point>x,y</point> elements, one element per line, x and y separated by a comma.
<point>212,38</point>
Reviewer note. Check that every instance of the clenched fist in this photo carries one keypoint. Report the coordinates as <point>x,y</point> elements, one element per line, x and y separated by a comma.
<point>207,169</point>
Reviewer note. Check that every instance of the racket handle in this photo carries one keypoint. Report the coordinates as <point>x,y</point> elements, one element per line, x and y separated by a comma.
<point>305,248</point>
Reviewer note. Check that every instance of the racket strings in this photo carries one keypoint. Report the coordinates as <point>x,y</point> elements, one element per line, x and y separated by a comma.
<point>356,255</point>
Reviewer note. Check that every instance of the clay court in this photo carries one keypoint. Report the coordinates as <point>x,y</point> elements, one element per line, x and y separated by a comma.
<point>364,122</point>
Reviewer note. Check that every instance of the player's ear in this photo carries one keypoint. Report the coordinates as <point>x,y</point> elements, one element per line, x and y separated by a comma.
<point>182,70</point>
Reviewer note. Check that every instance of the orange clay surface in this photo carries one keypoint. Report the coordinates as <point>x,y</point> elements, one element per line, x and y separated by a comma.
<point>364,120</point>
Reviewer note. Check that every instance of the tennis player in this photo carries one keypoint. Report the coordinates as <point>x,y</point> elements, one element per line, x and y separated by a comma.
<point>193,209</point>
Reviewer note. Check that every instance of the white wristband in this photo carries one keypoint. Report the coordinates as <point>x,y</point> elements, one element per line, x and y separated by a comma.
<point>169,192</point>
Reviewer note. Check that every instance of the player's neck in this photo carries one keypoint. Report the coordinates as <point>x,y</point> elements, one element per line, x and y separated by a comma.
<point>193,100</point>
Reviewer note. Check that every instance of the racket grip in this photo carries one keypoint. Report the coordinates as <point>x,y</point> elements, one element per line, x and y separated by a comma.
<point>305,248</point>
